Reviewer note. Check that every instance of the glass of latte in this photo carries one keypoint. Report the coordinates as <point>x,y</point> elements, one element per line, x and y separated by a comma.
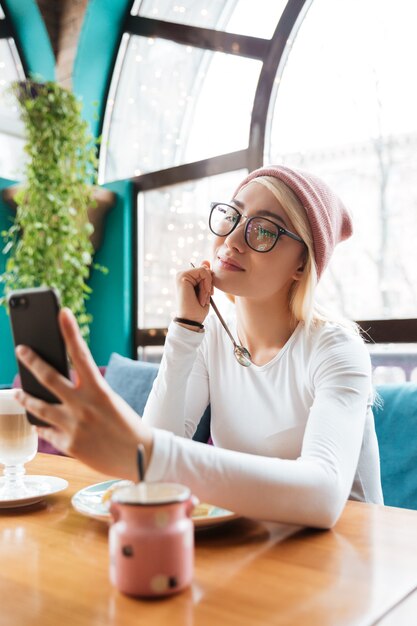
<point>18,445</point>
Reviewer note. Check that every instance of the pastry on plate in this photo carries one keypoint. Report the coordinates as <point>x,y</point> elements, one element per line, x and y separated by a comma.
<point>202,510</point>
<point>106,497</point>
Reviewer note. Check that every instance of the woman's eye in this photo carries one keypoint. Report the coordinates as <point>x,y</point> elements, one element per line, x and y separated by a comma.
<point>264,233</point>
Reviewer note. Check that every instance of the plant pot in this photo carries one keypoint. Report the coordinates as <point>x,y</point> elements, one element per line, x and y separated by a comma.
<point>30,90</point>
<point>104,198</point>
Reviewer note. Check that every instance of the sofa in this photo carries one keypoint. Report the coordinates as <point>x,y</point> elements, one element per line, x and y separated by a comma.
<point>395,423</point>
<point>396,429</point>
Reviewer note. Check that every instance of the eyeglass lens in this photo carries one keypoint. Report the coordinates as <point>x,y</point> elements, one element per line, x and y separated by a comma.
<point>260,234</point>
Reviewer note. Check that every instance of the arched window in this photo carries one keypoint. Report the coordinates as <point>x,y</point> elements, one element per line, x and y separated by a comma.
<point>11,128</point>
<point>203,92</point>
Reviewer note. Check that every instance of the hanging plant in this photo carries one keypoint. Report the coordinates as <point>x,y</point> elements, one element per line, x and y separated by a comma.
<point>49,242</point>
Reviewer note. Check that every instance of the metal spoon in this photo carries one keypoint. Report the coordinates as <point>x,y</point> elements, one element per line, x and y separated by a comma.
<point>242,355</point>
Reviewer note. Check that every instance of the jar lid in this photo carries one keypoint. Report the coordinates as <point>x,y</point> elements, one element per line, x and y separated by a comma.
<point>151,493</point>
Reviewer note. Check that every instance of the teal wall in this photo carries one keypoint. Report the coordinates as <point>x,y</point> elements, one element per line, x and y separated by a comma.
<point>7,360</point>
<point>96,53</point>
<point>32,37</point>
<point>111,302</point>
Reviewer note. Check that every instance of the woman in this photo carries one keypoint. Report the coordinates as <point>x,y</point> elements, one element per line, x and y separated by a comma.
<point>293,432</point>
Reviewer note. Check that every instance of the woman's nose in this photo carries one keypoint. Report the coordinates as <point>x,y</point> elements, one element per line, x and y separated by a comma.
<point>236,239</point>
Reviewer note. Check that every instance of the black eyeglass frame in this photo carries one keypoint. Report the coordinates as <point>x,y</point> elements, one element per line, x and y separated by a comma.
<point>281,230</point>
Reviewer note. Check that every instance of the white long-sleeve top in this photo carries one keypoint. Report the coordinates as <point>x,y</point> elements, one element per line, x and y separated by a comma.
<point>293,438</point>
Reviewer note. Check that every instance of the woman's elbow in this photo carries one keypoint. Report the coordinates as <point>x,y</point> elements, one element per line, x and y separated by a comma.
<point>329,505</point>
<point>328,518</point>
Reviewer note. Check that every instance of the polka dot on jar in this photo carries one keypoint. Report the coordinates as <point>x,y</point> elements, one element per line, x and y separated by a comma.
<point>161,519</point>
<point>159,583</point>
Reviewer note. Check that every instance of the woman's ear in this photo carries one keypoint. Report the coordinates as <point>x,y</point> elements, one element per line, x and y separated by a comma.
<point>298,274</point>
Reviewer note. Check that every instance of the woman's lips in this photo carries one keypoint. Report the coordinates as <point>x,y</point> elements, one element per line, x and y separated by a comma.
<point>226,264</point>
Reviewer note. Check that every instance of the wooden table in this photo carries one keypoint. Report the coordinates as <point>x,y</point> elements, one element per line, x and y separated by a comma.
<point>54,569</point>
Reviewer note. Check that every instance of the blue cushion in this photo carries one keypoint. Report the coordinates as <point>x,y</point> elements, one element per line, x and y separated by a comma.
<point>133,380</point>
<point>396,429</point>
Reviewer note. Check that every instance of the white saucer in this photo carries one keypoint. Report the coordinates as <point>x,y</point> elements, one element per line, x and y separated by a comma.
<point>46,485</point>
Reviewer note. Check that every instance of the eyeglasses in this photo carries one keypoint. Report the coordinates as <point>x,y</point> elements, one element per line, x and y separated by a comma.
<point>261,233</point>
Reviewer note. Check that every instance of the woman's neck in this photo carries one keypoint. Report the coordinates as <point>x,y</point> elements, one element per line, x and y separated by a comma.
<point>263,327</point>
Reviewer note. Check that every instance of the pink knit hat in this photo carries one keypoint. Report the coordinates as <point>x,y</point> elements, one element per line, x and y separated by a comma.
<point>329,219</point>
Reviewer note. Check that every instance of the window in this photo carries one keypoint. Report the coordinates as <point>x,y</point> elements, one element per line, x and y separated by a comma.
<point>347,113</point>
<point>172,232</point>
<point>11,128</point>
<point>176,104</point>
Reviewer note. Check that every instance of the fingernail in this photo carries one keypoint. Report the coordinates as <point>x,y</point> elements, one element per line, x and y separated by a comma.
<point>21,351</point>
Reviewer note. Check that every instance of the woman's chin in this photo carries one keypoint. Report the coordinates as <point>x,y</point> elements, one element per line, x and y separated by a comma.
<point>220,282</point>
<point>226,285</point>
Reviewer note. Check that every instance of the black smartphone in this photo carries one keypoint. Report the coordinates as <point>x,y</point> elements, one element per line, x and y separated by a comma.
<point>34,320</point>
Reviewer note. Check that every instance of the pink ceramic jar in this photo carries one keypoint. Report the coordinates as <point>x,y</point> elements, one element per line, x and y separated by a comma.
<point>151,541</point>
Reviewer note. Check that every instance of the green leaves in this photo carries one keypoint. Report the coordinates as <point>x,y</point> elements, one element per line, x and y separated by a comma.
<point>49,241</point>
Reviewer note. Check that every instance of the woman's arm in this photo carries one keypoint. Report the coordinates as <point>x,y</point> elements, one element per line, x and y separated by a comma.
<point>311,490</point>
<point>180,393</point>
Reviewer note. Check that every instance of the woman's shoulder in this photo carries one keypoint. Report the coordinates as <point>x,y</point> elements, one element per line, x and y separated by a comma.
<point>328,337</point>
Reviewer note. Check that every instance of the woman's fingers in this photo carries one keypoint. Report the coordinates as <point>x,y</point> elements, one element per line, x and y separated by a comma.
<point>78,351</point>
<point>56,438</point>
<point>206,285</point>
<point>60,386</point>
<point>53,414</point>
<point>193,291</point>
<point>205,290</point>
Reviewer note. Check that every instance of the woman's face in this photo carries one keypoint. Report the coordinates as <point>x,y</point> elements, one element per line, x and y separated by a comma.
<point>243,272</point>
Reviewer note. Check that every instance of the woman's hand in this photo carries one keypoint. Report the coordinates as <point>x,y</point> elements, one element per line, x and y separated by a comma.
<point>194,288</point>
<point>92,423</point>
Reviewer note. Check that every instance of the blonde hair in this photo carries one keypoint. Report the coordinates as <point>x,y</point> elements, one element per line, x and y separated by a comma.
<point>302,292</point>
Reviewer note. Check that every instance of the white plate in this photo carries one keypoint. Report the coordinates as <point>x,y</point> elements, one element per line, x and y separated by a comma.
<point>46,485</point>
<point>88,501</point>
